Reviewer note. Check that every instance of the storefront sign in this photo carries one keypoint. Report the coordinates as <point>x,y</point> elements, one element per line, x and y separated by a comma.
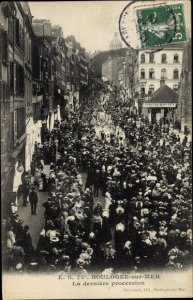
<point>155,105</point>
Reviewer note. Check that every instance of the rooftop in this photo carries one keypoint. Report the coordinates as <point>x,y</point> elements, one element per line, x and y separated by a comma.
<point>164,47</point>
<point>164,95</point>
<point>116,42</point>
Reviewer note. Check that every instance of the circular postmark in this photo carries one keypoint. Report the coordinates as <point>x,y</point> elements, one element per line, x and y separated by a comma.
<point>151,26</point>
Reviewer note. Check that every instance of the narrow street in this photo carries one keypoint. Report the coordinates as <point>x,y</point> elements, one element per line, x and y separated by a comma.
<point>96,146</point>
<point>35,223</point>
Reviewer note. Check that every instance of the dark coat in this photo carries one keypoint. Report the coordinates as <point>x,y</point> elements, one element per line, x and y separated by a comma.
<point>33,197</point>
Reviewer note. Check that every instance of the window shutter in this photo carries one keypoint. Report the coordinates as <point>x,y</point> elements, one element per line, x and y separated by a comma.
<point>6,46</point>
<point>17,32</point>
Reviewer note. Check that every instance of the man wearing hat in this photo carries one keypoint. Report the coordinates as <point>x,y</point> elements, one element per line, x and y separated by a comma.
<point>33,199</point>
<point>120,237</point>
<point>80,267</point>
<point>26,243</point>
<point>109,254</point>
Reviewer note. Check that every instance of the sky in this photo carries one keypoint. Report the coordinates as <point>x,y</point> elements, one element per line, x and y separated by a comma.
<point>92,23</point>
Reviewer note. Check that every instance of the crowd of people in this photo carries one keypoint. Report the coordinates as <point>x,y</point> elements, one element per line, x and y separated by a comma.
<point>145,184</point>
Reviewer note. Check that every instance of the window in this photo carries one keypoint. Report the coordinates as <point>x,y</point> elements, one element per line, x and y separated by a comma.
<point>20,119</point>
<point>142,58</point>
<point>11,74</point>
<point>142,73</point>
<point>34,89</point>
<point>175,87</point>
<point>163,58</point>
<point>3,45</point>
<point>10,30</point>
<point>151,58</point>
<point>19,80</point>
<point>29,52</point>
<point>19,35</point>
<point>26,47</point>
<point>175,74</point>
<point>151,89</point>
<point>142,91</point>
<point>163,74</point>
<point>151,74</point>
<point>3,90</point>
<point>176,58</point>
<point>17,31</point>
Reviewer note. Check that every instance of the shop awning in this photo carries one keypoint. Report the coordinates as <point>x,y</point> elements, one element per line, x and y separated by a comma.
<point>163,97</point>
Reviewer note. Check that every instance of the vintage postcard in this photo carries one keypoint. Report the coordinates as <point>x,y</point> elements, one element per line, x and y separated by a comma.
<point>96,144</point>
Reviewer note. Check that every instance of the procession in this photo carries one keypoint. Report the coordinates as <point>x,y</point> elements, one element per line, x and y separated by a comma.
<point>108,205</point>
<point>97,169</point>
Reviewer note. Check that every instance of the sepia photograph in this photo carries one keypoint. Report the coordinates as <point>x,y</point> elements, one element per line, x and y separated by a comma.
<point>96,146</point>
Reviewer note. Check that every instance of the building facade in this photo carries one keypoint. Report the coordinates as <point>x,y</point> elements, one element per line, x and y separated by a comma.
<point>185,92</point>
<point>15,73</point>
<point>31,129</point>
<point>5,12</point>
<point>155,69</point>
<point>118,68</point>
<point>41,72</point>
<point>113,69</point>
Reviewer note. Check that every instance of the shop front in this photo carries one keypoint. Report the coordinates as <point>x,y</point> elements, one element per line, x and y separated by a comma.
<point>161,105</point>
<point>158,111</point>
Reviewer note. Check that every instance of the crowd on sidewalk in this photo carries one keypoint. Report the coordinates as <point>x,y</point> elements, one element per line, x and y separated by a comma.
<point>146,220</point>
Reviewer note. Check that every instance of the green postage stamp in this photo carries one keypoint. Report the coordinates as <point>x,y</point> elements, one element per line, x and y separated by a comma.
<point>161,25</point>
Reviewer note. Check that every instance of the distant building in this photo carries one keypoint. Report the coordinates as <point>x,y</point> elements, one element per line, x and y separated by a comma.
<point>57,31</point>
<point>156,69</point>
<point>116,42</point>
<point>111,67</point>
<point>42,27</point>
<point>118,68</point>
